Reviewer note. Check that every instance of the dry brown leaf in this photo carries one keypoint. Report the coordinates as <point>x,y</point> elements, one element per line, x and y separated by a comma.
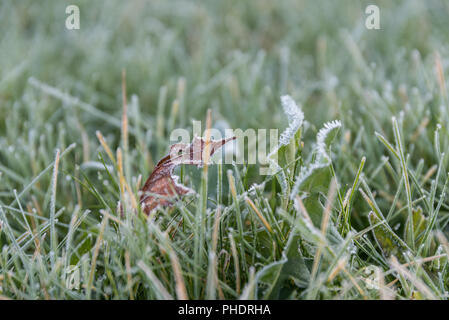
<point>162,186</point>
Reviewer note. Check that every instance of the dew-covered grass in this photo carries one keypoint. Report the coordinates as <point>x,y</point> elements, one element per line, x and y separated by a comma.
<point>358,208</point>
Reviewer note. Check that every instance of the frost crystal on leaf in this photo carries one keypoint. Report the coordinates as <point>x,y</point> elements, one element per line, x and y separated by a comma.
<point>322,157</point>
<point>295,119</point>
<point>322,135</point>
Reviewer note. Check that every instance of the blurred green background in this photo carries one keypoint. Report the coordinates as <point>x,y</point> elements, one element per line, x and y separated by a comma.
<point>236,56</point>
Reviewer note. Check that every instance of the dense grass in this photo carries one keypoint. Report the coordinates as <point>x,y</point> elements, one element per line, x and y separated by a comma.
<point>70,170</point>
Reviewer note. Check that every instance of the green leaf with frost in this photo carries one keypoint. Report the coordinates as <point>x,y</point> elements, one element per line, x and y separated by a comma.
<point>282,158</point>
<point>314,177</point>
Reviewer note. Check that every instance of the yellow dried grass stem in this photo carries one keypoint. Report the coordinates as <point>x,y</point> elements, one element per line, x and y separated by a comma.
<point>259,214</point>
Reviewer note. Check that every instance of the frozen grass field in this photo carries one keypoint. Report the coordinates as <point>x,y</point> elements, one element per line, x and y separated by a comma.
<point>357,210</point>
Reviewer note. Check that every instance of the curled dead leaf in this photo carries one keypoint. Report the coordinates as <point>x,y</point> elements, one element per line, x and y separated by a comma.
<point>162,186</point>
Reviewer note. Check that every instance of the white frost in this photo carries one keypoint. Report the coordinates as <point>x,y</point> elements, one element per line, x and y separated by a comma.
<point>295,119</point>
